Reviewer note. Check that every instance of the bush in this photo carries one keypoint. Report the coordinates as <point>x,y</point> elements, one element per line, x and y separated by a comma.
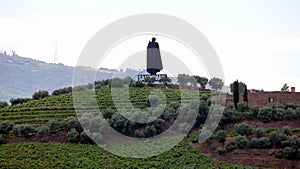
<point>221,135</point>
<point>259,132</point>
<point>278,154</point>
<point>264,142</point>
<point>221,150</point>
<point>229,146</point>
<point>150,131</point>
<point>290,114</point>
<point>243,129</point>
<point>72,136</point>
<point>42,130</point>
<point>297,112</point>
<point>265,114</point>
<point>3,104</point>
<point>291,153</point>
<point>152,101</point>
<point>254,142</point>
<point>193,137</point>
<point>241,142</point>
<point>254,110</point>
<point>230,115</point>
<point>139,134</point>
<point>291,106</point>
<point>243,107</point>
<point>286,130</point>
<point>40,94</point>
<point>19,101</point>
<point>23,130</point>
<point>54,125</point>
<point>2,140</point>
<point>293,141</point>
<point>85,139</point>
<point>5,127</point>
<point>107,113</point>
<point>277,137</point>
<point>72,122</point>
<point>279,114</point>
<point>138,84</point>
<point>62,91</point>
<point>249,115</point>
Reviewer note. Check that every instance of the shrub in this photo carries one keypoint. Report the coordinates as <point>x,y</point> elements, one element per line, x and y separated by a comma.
<point>265,114</point>
<point>5,127</point>
<point>107,113</point>
<point>204,97</point>
<point>241,142</point>
<point>3,104</point>
<point>254,110</point>
<point>291,153</point>
<point>138,84</point>
<point>40,94</point>
<point>297,111</point>
<point>288,152</point>
<point>72,122</point>
<point>221,150</point>
<point>152,101</point>
<point>277,137</point>
<point>23,129</point>
<point>286,130</point>
<point>230,115</point>
<point>72,136</point>
<point>259,132</point>
<point>290,106</point>
<point>221,135</point>
<point>293,141</point>
<point>62,91</point>
<point>290,114</point>
<point>85,139</point>
<point>264,142</point>
<point>279,114</point>
<point>150,131</point>
<point>2,140</point>
<point>229,146</point>
<point>243,129</point>
<point>243,107</point>
<point>54,125</point>
<point>42,130</point>
<point>183,127</point>
<point>16,101</point>
<point>249,115</point>
<point>254,142</point>
<point>139,134</point>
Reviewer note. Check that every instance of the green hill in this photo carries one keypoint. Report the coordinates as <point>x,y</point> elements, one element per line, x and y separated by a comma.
<point>21,77</point>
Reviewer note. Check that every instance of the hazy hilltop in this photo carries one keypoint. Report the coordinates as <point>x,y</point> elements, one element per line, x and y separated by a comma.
<point>21,77</point>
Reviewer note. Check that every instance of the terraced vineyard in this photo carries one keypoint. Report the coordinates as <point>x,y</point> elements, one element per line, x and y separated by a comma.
<point>41,111</point>
<point>56,155</point>
<point>60,155</point>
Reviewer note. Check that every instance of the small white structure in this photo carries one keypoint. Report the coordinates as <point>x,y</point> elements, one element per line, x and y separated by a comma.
<point>144,74</point>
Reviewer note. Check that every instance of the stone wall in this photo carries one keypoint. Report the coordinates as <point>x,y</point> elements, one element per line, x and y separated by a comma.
<point>263,98</point>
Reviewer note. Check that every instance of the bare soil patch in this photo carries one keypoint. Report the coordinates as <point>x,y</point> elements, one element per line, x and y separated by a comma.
<point>57,136</point>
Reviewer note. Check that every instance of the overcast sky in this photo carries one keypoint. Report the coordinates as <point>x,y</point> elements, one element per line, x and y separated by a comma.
<point>258,42</point>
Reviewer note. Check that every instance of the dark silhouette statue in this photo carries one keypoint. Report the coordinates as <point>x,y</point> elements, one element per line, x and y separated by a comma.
<point>154,63</point>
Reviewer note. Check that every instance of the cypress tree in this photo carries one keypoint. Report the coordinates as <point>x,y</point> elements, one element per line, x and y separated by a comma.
<point>236,94</point>
<point>245,96</point>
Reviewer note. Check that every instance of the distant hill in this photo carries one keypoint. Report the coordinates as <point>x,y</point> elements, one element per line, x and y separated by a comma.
<point>21,77</point>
